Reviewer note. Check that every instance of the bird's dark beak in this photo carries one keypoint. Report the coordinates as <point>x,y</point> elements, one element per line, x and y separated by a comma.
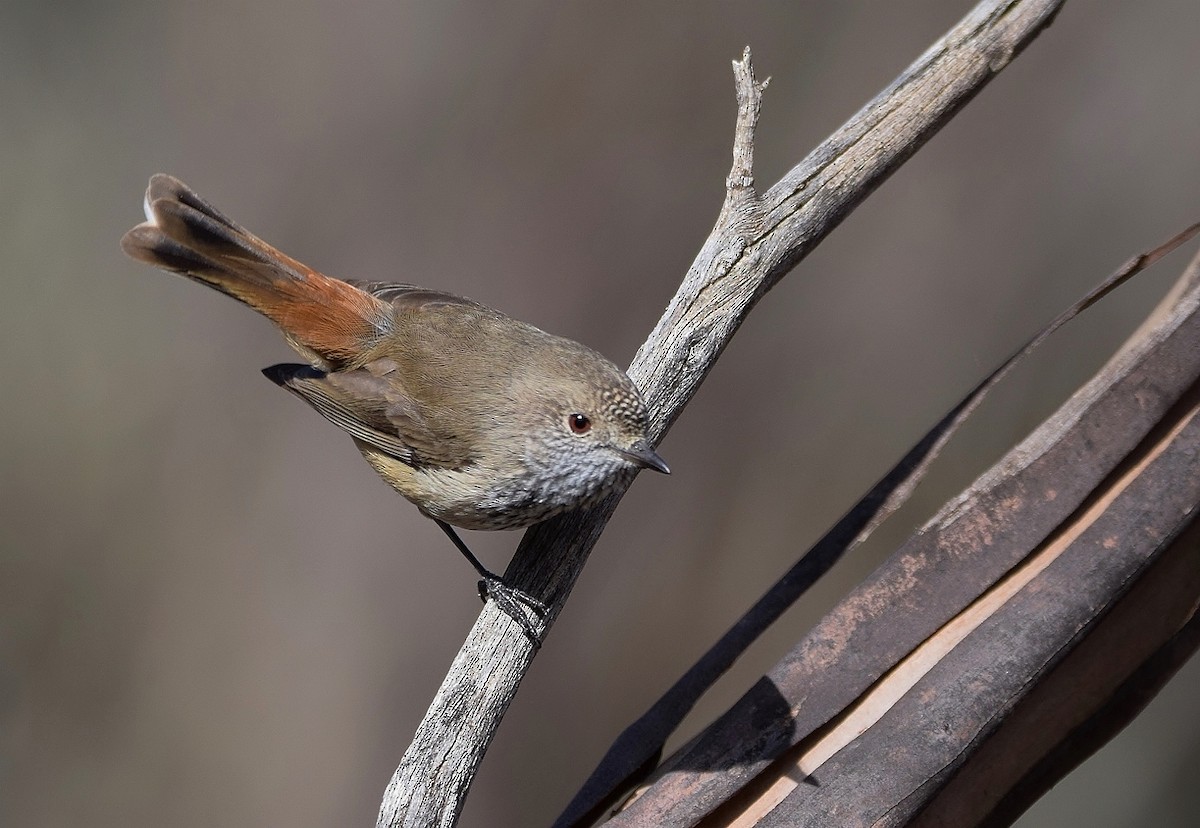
<point>645,457</point>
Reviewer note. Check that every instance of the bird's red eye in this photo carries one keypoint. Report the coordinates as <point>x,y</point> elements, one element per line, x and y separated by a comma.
<point>579,423</point>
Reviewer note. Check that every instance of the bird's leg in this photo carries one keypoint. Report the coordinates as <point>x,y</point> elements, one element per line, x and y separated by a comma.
<point>493,586</point>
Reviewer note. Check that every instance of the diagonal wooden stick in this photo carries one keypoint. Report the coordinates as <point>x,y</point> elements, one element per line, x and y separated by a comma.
<point>756,241</point>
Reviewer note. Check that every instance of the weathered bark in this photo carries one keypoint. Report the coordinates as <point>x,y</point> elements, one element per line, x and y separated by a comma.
<point>756,241</point>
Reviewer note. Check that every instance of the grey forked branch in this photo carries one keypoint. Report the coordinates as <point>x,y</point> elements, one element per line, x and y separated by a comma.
<point>757,239</point>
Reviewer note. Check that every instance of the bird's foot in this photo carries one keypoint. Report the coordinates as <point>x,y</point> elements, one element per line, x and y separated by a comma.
<point>516,604</point>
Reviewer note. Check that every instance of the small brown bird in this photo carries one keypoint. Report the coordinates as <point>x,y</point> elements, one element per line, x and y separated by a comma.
<point>482,421</point>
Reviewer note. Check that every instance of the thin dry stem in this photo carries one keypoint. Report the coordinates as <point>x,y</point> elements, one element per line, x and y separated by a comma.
<point>756,240</point>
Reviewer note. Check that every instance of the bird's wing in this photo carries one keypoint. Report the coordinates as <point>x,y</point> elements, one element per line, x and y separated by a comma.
<point>405,297</point>
<point>370,404</point>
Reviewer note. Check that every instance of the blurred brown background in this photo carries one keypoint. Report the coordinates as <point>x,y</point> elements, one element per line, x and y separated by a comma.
<point>213,613</point>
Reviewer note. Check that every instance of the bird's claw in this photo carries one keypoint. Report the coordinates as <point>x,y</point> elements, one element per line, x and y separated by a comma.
<point>511,601</point>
